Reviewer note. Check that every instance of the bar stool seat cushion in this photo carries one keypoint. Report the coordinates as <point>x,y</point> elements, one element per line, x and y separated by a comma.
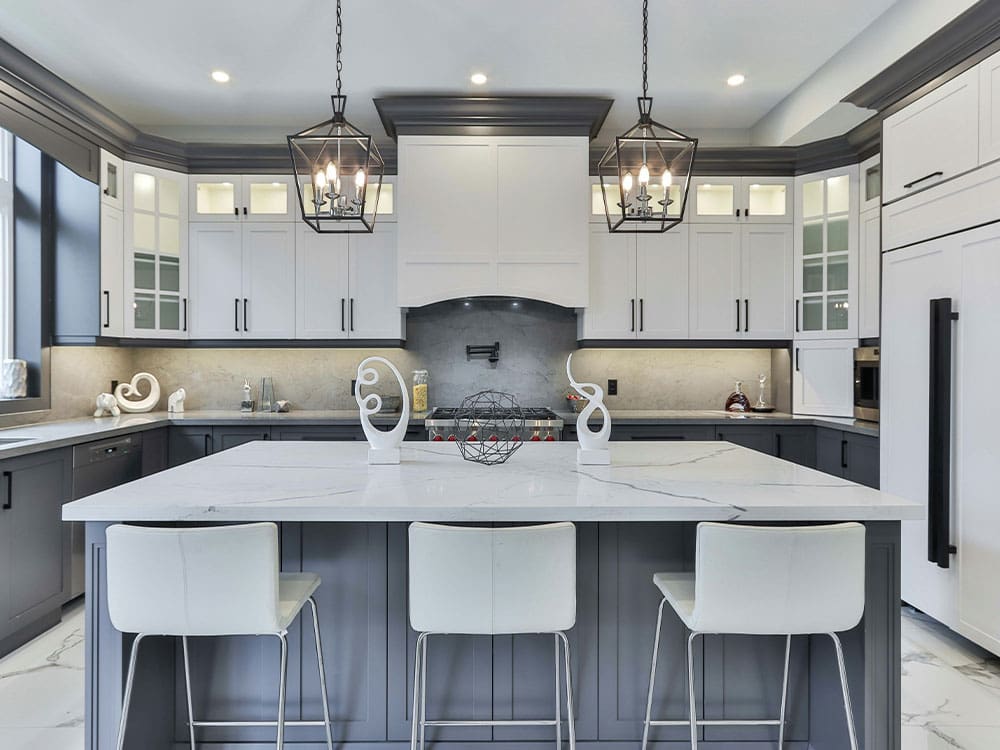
<point>294,590</point>
<point>678,590</point>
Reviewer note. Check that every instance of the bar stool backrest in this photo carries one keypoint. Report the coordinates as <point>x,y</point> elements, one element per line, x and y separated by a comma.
<point>779,580</point>
<point>221,580</point>
<point>492,581</point>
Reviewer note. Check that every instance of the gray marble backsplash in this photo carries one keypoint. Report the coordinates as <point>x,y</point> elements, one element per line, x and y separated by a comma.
<point>535,340</point>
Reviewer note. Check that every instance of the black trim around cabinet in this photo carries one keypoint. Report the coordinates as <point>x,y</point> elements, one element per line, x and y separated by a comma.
<point>231,343</point>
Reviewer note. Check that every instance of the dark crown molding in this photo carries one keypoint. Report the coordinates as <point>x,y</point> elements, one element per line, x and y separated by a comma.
<point>492,115</point>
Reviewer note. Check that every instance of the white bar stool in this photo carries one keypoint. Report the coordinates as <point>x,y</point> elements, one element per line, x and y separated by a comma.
<point>756,580</point>
<point>485,581</point>
<point>215,581</point>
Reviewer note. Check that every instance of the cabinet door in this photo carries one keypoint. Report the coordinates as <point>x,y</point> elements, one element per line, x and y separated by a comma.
<point>796,444</point>
<point>911,277</point>
<point>933,139</point>
<point>188,443</point>
<point>112,181</point>
<point>112,270</point>
<point>156,253</point>
<point>975,433</point>
<point>758,438</point>
<point>372,310</point>
<point>268,198</point>
<point>268,300</point>
<point>716,299</point>
<point>216,281</point>
<point>823,378</point>
<point>338,433</point>
<point>989,109</point>
<point>321,285</point>
<point>662,432</point>
<point>767,200</point>
<point>224,438</point>
<point>215,197</point>
<point>831,451</point>
<point>715,200</point>
<point>661,269</point>
<point>870,274</point>
<point>861,452</point>
<point>31,577</point>
<point>611,311</point>
<point>766,252</point>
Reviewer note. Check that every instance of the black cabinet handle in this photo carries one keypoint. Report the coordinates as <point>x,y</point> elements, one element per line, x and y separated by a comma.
<point>343,325</point>
<point>930,176</point>
<point>209,444</point>
<point>737,316</point>
<point>777,444</point>
<point>244,210</point>
<point>642,314</point>
<point>351,314</point>
<point>737,213</point>
<point>843,454</point>
<point>185,313</point>
<point>746,212</point>
<point>236,316</point>
<point>8,502</point>
<point>245,314</point>
<point>939,546</point>
<point>633,316</point>
<point>796,316</point>
<point>236,212</point>
<point>107,309</point>
<point>746,316</point>
<point>796,359</point>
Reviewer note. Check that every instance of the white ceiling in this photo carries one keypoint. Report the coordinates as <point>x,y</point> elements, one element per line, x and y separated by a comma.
<point>150,61</point>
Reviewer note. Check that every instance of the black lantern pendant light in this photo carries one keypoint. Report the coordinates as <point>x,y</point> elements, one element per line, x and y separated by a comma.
<point>645,173</point>
<point>338,169</point>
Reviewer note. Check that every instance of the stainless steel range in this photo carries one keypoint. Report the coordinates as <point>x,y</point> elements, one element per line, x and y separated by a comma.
<point>540,425</point>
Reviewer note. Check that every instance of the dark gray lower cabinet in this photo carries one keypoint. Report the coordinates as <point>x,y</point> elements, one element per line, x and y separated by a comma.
<point>756,437</point>
<point>331,432</point>
<point>155,451</point>
<point>224,438</point>
<point>795,444</point>
<point>33,489</point>
<point>848,455</point>
<point>189,443</point>
<point>662,432</point>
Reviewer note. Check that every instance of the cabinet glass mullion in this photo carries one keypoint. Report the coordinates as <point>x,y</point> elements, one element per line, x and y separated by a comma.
<point>826,254</point>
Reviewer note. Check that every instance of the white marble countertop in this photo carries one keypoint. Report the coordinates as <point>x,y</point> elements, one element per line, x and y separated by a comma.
<point>648,481</point>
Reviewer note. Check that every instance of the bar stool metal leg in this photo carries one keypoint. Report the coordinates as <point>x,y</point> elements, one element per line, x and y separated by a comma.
<point>784,694</point>
<point>848,711</point>
<point>320,661</point>
<point>129,683</point>
<point>282,682</point>
<point>423,694</point>
<point>187,688</point>
<point>555,639</point>
<point>415,713</point>
<point>692,708</point>
<point>570,721</point>
<point>652,675</point>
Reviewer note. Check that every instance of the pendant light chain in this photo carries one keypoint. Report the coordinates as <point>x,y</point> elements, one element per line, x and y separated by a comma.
<point>340,29</point>
<point>645,44</point>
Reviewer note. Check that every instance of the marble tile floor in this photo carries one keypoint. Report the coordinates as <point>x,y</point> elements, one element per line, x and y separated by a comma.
<point>951,690</point>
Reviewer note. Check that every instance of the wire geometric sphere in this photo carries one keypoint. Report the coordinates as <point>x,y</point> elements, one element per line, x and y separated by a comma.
<point>645,175</point>
<point>489,427</point>
<point>338,170</point>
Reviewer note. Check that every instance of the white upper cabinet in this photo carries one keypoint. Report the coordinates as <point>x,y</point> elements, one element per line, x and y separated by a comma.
<point>870,269</point>
<point>231,198</point>
<point>216,280</point>
<point>766,276</point>
<point>471,223</point>
<point>112,180</point>
<point>156,253</point>
<point>269,281</point>
<point>372,311</point>
<point>716,298</point>
<point>112,270</point>
<point>989,109</point>
<point>936,138</point>
<point>722,200</point>
<point>826,252</point>
<point>823,378</point>
<point>611,312</point>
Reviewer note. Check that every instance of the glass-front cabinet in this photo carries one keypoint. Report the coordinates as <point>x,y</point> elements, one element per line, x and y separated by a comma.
<point>826,254</point>
<point>156,239</point>
<point>754,200</point>
<point>242,198</point>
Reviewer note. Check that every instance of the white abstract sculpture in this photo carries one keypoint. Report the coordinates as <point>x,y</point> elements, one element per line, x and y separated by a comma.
<point>384,445</point>
<point>107,405</point>
<point>593,448</point>
<point>124,390</point>
<point>13,378</point>
<point>175,401</point>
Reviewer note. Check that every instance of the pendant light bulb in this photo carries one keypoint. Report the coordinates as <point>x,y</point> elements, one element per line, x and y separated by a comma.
<point>667,179</point>
<point>643,175</point>
<point>359,179</point>
<point>627,182</point>
<point>331,173</point>
<point>320,179</point>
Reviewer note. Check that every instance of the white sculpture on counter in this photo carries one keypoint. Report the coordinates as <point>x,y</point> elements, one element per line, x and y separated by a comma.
<point>107,406</point>
<point>175,401</point>
<point>124,390</point>
<point>593,448</point>
<point>384,445</point>
<point>13,378</point>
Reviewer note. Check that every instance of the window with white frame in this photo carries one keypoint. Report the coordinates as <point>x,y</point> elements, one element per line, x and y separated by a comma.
<point>6,244</point>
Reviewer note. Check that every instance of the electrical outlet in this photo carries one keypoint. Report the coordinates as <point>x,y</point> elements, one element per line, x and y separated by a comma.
<point>354,386</point>
<point>612,386</point>
<point>114,385</point>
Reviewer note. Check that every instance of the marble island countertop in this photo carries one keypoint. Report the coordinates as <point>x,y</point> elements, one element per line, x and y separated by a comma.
<point>648,481</point>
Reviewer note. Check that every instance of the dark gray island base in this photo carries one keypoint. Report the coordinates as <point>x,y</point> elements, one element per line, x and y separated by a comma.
<point>369,651</point>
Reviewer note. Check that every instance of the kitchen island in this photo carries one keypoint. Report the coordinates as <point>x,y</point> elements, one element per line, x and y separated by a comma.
<point>347,521</point>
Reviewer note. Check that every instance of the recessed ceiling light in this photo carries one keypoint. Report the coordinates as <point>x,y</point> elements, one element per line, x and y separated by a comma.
<point>736,79</point>
<point>220,76</point>
<point>478,78</point>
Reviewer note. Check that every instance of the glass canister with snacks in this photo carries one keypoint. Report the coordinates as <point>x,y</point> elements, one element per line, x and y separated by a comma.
<point>420,390</point>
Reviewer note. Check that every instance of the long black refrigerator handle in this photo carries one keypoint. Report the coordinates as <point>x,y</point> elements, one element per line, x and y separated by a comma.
<point>939,547</point>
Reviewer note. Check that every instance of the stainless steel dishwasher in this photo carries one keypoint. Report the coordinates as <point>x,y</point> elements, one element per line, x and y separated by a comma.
<point>97,466</point>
